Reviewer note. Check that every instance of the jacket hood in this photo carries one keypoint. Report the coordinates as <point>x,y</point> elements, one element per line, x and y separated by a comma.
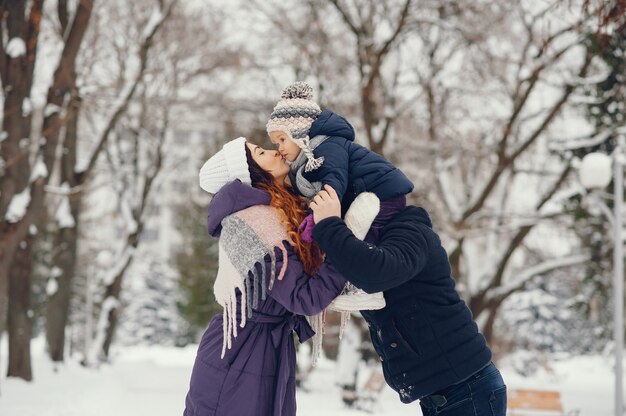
<point>233,197</point>
<point>331,124</point>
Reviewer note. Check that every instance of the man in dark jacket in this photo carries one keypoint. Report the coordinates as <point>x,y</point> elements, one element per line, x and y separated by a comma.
<point>428,342</point>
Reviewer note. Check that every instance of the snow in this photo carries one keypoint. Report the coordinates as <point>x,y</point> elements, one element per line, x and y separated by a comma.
<point>64,213</point>
<point>16,48</point>
<point>27,107</point>
<point>156,18</point>
<point>51,109</point>
<point>536,270</point>
<point>17,207</point>
<point>52,286</point>
<point>56,272</point>
<point>129,219</point>
<point>154,380</point>
<point>39,170</point>
<point>108,305</point>
<point>121,263</point>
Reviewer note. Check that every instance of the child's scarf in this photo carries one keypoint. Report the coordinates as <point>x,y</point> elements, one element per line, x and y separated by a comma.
<point>300,165</point>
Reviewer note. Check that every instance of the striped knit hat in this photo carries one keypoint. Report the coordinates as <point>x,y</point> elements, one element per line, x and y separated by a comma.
<point>294,114</point>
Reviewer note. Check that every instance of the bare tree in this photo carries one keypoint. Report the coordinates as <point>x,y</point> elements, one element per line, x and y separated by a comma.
<point>472,118</point>
<point>379,28</point>
<point>75,178</point>
<point>27,173</point>
<point>371,34</point>
<point>136,155</point>
<point>478,170</point>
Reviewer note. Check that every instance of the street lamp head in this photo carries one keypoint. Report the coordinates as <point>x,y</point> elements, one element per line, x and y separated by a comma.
<point>595,170</point>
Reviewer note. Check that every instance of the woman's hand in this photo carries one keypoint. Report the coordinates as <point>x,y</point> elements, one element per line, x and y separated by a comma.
<point>326,204</point>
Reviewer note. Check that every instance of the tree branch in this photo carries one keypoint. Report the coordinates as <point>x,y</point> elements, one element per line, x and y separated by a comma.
<point>508,160</point>
<point>63,16</point>
<point>501,293</point>
<point>126,97</point>
<point>387,45</point>
<point>496,279</point>
<point>346,17</point>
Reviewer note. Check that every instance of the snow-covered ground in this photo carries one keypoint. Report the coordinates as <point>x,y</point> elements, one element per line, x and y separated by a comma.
<point>153,381</point>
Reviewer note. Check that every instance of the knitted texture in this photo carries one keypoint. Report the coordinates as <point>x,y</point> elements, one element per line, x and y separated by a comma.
<point>226,165</point>
<point>294,114</point>
<point>247,237</point>
<point>298,167</point>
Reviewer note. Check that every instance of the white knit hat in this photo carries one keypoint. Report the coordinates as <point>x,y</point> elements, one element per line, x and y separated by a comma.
<point>228,164</point>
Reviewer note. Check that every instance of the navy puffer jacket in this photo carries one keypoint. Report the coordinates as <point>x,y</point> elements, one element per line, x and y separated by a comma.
<point>425,336</point>
<point>351,168</point>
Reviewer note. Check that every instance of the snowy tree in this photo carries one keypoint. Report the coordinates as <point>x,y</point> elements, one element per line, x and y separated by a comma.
<point>603,99</point>
<point>75,174</point>
<point>465,98</point>
<point>28,155</point>
<point>150,305</point>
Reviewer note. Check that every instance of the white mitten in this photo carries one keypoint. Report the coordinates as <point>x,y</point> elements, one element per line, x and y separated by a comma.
<point>359,219</point>
<point>362,213</point>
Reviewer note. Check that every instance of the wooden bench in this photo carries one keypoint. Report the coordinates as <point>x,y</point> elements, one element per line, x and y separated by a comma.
<point>523,402</point>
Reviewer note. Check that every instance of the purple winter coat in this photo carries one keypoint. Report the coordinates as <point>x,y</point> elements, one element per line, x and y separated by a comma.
<point>257,375</point>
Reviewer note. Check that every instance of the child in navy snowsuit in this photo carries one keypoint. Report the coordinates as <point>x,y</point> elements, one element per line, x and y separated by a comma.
<point>319,145</point>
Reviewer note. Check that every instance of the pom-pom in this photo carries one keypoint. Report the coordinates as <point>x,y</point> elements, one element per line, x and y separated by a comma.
<point>298,89</point>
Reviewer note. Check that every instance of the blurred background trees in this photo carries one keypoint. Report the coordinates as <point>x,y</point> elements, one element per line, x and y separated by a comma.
<point>110,108</point>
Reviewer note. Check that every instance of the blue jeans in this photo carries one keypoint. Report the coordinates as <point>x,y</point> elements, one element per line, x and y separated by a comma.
<point>483,394</point>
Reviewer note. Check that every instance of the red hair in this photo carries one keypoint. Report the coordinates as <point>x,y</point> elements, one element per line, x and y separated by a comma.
<point>292,210</point>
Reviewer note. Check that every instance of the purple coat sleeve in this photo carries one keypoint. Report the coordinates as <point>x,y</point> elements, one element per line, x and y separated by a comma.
<point>303,294</point>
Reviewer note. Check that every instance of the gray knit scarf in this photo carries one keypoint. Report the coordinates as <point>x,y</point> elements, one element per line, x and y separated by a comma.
<point>298,167</point>
<point>247,237</point>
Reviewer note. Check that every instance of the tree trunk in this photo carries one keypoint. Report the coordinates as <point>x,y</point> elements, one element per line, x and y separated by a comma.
<point>114,290</point>
<point>65,241</point>
<point>17,76</point>
<point>492,313</point>
<point>20,314</point>
<point>58,305</point>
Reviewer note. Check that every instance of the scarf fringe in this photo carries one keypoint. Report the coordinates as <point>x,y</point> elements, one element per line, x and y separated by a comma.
<point>317,323</point>
<point>313,164</point>
<point>252,292</point>
<point>345,317</point>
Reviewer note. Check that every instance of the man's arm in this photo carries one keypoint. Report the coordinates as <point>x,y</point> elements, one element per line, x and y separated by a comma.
<point>399,256</point>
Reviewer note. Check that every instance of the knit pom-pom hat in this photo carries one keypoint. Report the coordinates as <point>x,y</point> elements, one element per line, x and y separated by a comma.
<point>294,114</point>
<point>228,164</point>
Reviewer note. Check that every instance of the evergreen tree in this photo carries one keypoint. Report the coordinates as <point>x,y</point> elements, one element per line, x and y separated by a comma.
<point>151,316</point>
<point>196,262</point>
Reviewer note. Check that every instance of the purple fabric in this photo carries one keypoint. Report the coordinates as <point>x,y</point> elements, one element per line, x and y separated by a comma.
<point>257,375</point>
<point>306,228</point>
<point>388,210</point>
<point>233,197</point>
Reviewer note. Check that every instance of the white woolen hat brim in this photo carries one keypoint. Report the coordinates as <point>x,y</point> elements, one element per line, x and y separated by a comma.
<point>228,164</point>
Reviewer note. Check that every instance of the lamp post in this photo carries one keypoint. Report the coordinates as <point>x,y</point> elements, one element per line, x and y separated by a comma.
<point>595,172</point>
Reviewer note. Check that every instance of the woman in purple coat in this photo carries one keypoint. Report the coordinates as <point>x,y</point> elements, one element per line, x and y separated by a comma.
<point>267,280</point>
